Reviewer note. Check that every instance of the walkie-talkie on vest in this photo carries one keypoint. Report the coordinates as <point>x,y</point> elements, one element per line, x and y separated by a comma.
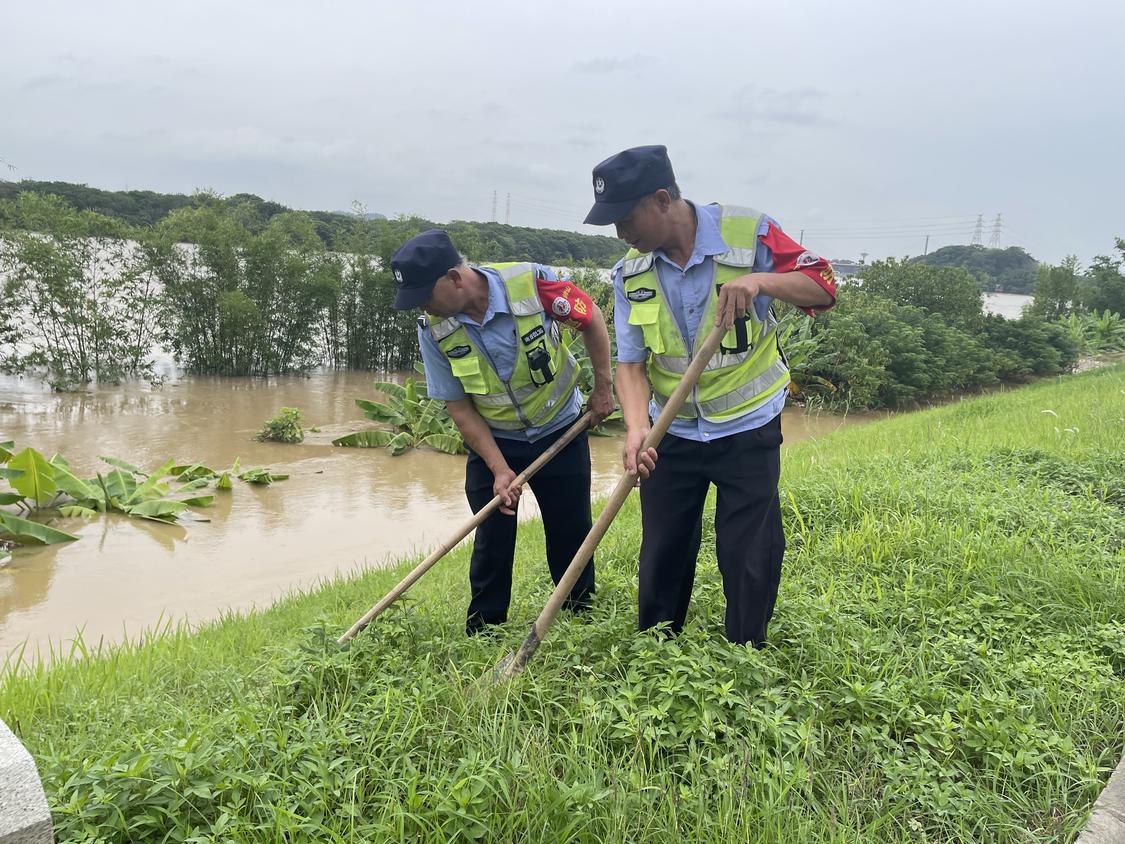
<point>539,362</point>
<point>741,338</point>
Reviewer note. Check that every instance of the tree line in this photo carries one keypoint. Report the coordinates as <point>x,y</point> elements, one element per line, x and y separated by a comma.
<point>905,332</point>
<point>143,209</point>
<point>227,287</point>
<point>88,297</point>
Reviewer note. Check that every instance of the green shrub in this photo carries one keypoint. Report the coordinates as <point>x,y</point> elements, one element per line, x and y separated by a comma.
<point>286,427</point>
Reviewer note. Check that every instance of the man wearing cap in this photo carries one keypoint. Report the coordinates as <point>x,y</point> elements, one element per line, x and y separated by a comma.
<point>691,266</point>
<point>493,351</point>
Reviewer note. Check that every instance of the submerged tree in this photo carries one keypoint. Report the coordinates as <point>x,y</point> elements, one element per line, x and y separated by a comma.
<point>78,303</point>
<point>239,303</point>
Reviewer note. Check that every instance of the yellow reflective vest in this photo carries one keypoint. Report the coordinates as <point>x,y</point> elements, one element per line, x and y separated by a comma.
<point>545,372</point>
<point>747,370</point>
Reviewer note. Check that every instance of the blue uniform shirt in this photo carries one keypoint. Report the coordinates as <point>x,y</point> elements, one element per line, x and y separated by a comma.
<point>496,337</point>
<point>686,292</point>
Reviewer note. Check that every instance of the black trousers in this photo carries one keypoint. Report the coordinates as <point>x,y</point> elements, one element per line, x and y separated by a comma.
<point>749,541</point>
<point>562,488</point>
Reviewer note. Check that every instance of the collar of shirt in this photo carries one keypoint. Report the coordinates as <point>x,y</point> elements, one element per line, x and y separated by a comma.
<point>708,240</point>
<point>497,299</point>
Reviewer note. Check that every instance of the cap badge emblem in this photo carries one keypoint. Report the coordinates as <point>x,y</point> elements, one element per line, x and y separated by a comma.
<point>599,185</point>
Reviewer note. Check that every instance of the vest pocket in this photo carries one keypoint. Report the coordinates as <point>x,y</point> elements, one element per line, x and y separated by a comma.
<point>647,316</point>
<point>467,371</point>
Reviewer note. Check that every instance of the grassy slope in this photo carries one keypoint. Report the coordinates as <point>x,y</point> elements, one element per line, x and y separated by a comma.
<point>947,662</point>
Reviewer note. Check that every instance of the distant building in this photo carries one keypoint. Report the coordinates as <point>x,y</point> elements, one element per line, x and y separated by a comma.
<point>845,268</point>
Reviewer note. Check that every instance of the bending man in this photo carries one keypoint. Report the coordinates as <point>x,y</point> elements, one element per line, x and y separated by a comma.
<point>492,347</point>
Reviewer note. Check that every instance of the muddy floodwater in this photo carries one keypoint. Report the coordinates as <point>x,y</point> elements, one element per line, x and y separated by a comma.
<point>341,510</point>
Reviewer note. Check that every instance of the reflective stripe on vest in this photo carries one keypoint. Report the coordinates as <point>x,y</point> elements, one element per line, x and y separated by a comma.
<point>520,402</point>
<point>747,370</point>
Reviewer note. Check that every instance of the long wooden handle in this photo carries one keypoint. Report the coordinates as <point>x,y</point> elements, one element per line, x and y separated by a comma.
<point>512,665</point>
<point>542,460</point>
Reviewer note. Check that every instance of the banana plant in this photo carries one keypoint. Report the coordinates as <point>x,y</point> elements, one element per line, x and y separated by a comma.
<point>39,485</point>
<point>799,344</point>
<point>586,377</point>
<point>199,474</point>
<point>416,420</point>
<point>1094,332</point>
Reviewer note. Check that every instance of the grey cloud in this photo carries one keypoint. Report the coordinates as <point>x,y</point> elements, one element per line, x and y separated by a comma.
<point>38,83</point>
<point>611,64</point>
<point>795,106</point>
<point>343,106</point>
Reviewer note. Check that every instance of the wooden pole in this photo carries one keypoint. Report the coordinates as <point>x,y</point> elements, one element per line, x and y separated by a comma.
<point>447,546</point>
<point>513,665</point>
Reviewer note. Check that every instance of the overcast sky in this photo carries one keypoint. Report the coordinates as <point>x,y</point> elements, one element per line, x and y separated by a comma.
<point>866,124</point>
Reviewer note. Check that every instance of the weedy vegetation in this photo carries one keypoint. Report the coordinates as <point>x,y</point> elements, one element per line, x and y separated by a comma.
<point>946,663</point>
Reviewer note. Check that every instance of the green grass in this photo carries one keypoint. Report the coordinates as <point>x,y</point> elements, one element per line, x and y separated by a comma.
<point>946,663</point>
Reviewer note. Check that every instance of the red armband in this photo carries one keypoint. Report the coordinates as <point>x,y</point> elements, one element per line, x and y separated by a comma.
<point>565,303</point>
<point>790,256</point>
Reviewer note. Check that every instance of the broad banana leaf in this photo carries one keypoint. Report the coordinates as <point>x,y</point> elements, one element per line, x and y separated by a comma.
<point>25,531</point>
<point>400,443</point>
<point>6,449</point>
<point>198,500</point>
<point>121,464</point>
<point>444,442</point>
<point>38,479</point>
<point>71,484</point>
<point>391,389</point>
<point>152,487</point>
<point>75,511</point>
<point>159,510</point>
<point>192,486</point>
<point>119,485</point>
<point>365,439</point>
<point>10,498</point>
<point>191,471</point>
<point>261,476</point>
<point>380,412</point>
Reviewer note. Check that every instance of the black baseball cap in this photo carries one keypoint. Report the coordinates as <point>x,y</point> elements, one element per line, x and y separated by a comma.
<point>418,264</point>
<point>623,180</point>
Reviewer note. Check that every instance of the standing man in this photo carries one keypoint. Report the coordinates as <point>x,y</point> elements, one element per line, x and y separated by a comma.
<point>689,267</point>
<point>492,347</point>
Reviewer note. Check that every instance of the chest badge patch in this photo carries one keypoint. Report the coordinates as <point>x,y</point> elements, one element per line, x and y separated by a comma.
<point>458,351</point>
<point>533,335</point>
<point>641,294</point>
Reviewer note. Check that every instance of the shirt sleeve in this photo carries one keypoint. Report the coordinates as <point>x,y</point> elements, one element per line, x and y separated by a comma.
<point>563,301</point>
<point>786,256</point>
<point>630,338</point>
<point>441,383</point>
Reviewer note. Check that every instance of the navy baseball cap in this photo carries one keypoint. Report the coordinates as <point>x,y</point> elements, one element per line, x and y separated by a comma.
<point>623,180</point>
<point>418,264</point>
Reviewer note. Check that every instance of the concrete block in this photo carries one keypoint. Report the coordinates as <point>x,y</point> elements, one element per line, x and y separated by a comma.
<point>1107,822</point>
<point>24,817</point>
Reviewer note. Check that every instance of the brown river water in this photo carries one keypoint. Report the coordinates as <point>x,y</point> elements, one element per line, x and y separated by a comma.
<point>342,509</point>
